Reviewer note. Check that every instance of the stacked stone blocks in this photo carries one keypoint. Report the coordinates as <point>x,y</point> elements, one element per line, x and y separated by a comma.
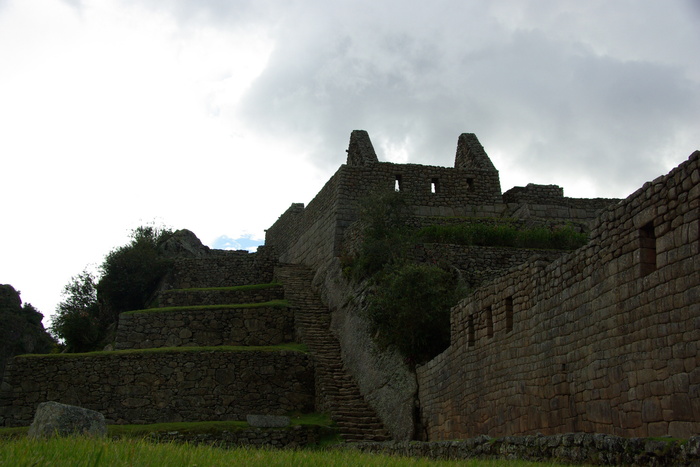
<point>600,341</point>
<point>170,378</point>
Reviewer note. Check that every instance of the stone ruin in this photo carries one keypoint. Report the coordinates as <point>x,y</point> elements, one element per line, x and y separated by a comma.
<point>599,340</point>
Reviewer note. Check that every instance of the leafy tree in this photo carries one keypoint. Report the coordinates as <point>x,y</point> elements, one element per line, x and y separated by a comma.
<point>77,320</point>
<point>131,273</point>
<point>385,235</point>
<point>410,310</point>
<point>87,317</point>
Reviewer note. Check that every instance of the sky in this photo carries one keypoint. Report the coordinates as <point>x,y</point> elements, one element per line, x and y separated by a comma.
<point>217,115</point>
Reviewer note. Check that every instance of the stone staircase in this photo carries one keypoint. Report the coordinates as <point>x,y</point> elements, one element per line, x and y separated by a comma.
<point>176,363</point>
<point>337,392</point>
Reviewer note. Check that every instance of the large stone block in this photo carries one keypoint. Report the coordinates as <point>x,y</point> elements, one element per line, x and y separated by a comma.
<point>54,419</point>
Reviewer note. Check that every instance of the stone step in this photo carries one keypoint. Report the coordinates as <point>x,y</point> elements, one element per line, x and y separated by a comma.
<point>355,419</point>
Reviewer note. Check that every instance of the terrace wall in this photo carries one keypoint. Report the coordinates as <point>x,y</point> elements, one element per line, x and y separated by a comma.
<point>604,339</point>
<point>220,326</point>
<point>161,386</point>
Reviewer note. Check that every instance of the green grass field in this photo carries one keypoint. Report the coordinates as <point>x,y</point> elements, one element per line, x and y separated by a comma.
<point>129,452</point>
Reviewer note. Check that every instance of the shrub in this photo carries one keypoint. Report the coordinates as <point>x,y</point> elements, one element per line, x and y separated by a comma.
<point>131,273</point>
<point>385,235</point>
<point>410,309</point>
<point>77,319</point>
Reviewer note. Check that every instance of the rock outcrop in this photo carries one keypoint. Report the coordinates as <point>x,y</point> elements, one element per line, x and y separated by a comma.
<point>54,419</point>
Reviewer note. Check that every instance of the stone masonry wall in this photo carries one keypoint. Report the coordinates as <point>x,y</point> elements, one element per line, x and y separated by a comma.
<point>307,235</point>
<point>221,326</point>
<point>223,269</point>
<point>180,297</point>
<point>298,436</point>
<point>477,264</point>
<point>602,340</point>
<point>568,448</point>
<point>313,235</point>
<point>428,190</point>
<point>160,386</point>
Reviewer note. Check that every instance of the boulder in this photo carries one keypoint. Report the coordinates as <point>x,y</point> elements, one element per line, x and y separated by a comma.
<point>267,421</point>
<point>55,419</point>
<point>184,244</point>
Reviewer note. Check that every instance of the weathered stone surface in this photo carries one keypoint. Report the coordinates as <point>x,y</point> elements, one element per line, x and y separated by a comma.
<point>294,437</point>
<point>222,268</point>
<point>385,381</point>
<point>603,339</point>
<point>54,419</point>
<point>221,326</point>
<point>184,243</point>
<point>155,387</point>
<point>577,448</point>
<point>267,421</point>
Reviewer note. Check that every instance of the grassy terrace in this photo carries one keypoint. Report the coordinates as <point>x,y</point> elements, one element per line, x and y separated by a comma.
<point>229,289</point>
<point>270,304</point>
<point>132,452</point>
<point>294,347</point>
<point>138,431</point>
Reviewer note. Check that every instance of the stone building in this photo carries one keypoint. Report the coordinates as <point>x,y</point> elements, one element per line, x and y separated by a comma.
<point>601,339</point>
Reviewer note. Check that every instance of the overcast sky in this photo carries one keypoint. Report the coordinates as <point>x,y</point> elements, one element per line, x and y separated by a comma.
<point>216,115</point>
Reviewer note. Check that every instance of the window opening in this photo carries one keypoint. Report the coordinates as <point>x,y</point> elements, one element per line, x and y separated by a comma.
<point>397,184</point>
<point>489,321</point>
<point>509,314</point>
<point>470,184</point>
<point>434,186</point>
<point>647,249</point>
<point>470,331</point>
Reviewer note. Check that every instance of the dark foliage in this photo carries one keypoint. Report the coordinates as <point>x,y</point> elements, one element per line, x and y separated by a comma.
<point>385,236</point>
<point>410,304</point>
<point>87,317</point>
<point>410,310</point>
<point>77,320</point>
<point>131,273</point>
<point>21,330</point>
<point>409,307</point>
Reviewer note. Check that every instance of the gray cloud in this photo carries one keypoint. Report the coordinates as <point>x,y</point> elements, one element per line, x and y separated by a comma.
<point>553,87</point>
<point>549,99</point>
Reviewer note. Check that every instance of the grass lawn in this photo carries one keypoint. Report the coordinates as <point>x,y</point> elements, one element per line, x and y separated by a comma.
<point>79,451</point>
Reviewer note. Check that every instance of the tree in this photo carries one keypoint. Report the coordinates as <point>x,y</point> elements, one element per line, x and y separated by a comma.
<point>410,310</point>
<point>131,273</point>
<point>77,321</point>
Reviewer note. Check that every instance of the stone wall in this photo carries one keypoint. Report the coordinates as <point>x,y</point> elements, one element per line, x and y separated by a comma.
<point>219,326</point>
<point>161,386</point>
<point>603,340</point>
<point>384,379</point>
<point>533,193</point>
<point>222,268</point>
<point>575,448</point>
<point>187,297</point>
<point>306,235</point>
<point>477,264</point>
<point>314,234</point>
<point>297,436</point>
